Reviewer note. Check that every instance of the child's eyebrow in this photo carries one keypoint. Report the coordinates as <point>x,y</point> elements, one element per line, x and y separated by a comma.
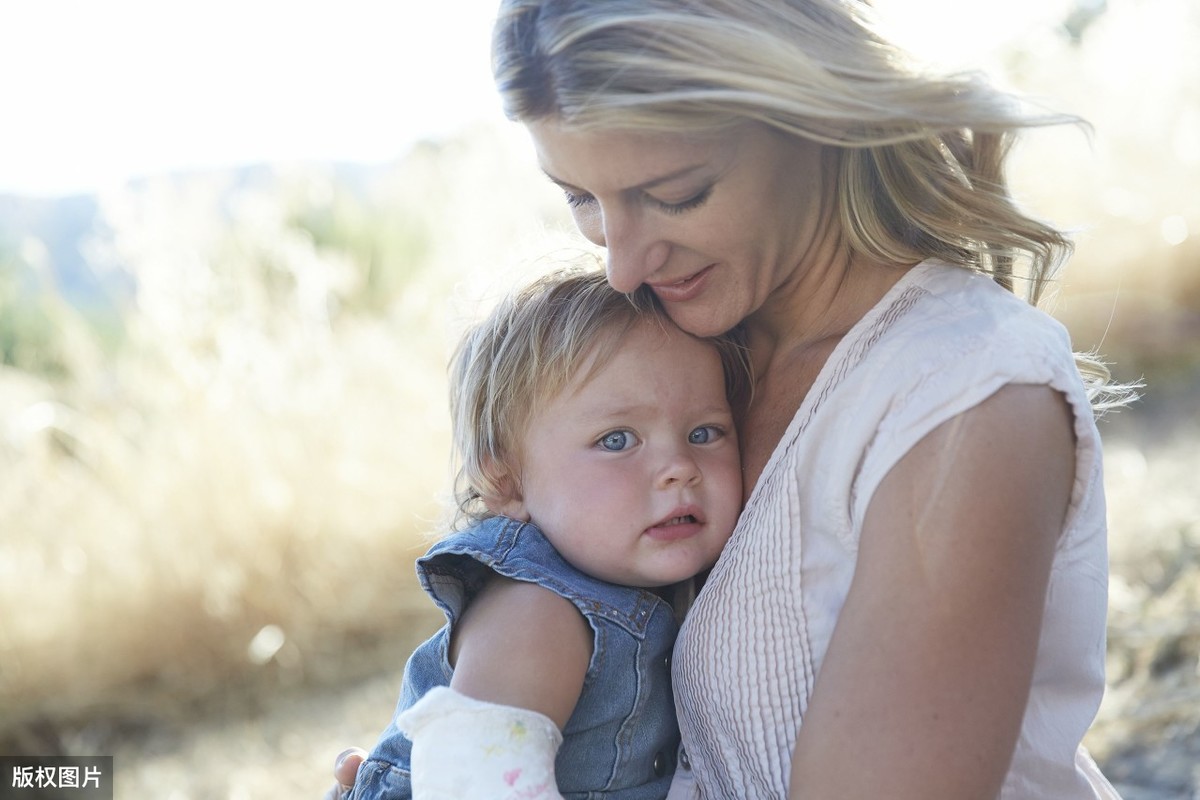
<point>613,412</point>
<point>616,413</point>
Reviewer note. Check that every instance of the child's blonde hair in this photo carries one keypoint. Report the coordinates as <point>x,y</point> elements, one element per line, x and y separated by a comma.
<point>525,352</point>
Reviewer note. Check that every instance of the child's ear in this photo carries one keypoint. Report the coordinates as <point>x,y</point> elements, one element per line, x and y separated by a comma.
<point>507,501</point>
<point>512,506</point>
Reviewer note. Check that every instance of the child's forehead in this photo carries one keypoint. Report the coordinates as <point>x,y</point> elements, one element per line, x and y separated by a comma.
<point>591,357</point>
<point>637,338</point>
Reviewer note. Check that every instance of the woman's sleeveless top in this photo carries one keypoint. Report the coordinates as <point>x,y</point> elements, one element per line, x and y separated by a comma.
<point>940,342</point>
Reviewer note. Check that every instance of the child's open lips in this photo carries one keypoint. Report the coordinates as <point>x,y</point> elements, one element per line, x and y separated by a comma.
<point>679,524</point>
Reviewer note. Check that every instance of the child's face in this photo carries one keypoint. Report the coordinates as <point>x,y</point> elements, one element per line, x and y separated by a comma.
<point>634,475</point>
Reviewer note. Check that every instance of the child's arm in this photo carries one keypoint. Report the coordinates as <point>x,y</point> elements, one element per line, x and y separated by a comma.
<point>465,749</point>
<point>519,644</point>
<point>520,654</point>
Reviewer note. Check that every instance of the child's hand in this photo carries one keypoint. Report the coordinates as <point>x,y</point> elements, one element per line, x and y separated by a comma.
<point>345,768</point>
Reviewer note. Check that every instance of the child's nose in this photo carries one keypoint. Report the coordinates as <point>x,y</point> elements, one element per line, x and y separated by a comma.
<point>680,469</point>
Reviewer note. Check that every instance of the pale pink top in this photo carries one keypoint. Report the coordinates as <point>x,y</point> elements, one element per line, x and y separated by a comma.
<point>941,341</point>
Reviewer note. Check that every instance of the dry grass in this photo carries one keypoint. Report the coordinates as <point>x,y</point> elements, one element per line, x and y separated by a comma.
<point>1148,732</point>
<point>226,471</point>
<point>234,492</point>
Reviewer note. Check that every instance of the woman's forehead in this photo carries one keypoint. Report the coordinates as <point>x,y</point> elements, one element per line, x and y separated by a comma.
<point>623,158</point>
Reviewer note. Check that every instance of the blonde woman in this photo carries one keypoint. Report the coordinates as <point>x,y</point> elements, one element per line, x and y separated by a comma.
<point>913,602</point>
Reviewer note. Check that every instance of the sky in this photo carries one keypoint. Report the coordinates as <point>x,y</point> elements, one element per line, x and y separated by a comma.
<point>95,92</point>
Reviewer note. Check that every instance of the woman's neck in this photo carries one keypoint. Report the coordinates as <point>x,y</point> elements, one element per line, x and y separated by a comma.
<point>818,305</point>
<point>790,340</point>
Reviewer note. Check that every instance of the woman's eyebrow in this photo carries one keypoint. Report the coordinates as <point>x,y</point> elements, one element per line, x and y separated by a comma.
<point>641,187</point>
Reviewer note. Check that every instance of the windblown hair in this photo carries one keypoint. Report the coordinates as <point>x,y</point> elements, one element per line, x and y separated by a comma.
<point>527,350</point>
<point>921,155</point>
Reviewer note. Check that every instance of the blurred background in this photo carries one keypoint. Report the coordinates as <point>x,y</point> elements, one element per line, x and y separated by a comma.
<point>237,240</point>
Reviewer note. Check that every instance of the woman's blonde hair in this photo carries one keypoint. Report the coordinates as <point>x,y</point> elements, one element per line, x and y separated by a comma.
<point>526,351</point>
<point>921,155</point>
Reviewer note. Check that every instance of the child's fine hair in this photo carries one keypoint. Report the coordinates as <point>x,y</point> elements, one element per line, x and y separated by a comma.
<point>526,351</point>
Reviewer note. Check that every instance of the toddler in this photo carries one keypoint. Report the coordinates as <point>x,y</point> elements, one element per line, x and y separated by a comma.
<point>599,469</point>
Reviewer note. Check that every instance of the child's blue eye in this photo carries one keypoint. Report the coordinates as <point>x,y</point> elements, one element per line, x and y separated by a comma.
<point>704,435</point>
<point>617,440</point>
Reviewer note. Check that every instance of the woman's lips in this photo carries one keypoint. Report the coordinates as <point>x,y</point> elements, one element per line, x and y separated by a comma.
<point>681,290</point>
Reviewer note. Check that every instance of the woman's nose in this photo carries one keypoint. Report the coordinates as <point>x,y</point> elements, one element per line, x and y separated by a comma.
<point>635,249</point>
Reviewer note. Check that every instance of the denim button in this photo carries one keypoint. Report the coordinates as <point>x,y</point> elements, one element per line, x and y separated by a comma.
<point>660,764</point>
<point>667,662</point>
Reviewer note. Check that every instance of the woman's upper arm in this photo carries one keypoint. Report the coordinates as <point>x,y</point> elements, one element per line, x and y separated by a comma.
<point>924,685</point>
<point>519,644</point>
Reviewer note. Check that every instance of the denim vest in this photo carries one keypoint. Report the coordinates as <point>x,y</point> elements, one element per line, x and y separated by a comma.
<point>621,740</point>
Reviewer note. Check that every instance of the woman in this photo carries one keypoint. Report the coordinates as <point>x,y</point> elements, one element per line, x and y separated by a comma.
<point>913,603</point>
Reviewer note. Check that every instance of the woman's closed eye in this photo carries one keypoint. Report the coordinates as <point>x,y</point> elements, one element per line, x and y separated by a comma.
<point>575,200</point>
<point>695,201</point>
<point>616,441</point>
<point>579,199</point>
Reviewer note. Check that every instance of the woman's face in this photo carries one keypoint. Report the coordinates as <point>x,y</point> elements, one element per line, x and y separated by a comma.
<point>712,224</point>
